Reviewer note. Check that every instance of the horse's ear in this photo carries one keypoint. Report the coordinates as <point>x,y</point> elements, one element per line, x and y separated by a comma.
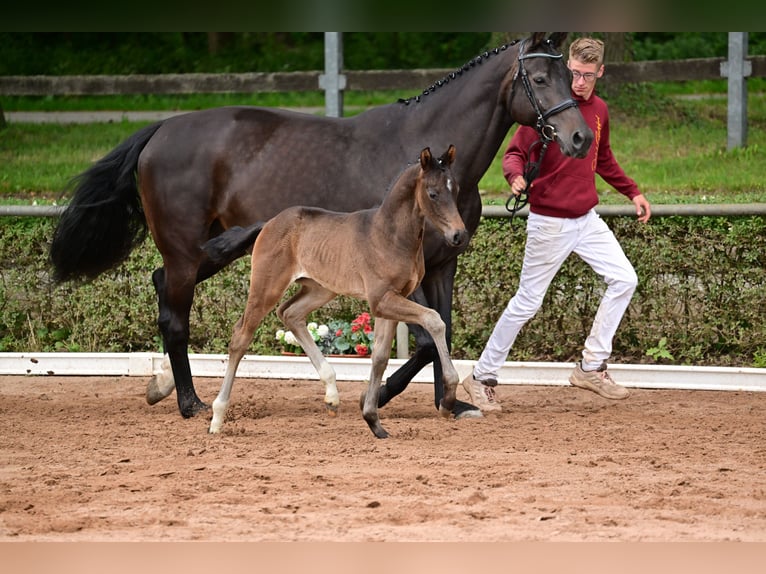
<point>425,158</point>
<point>448,157</point>
<point>557,39</point>
<point>536,39</point>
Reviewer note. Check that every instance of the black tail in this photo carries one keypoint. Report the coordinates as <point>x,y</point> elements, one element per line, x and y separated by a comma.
<point>104,221</point>
<point>232,244</point>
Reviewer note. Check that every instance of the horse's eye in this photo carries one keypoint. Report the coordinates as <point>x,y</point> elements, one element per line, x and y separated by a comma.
<point>539,80</point>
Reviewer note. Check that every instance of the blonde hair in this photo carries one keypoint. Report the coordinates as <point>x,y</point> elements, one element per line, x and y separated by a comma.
<point>587,51</point>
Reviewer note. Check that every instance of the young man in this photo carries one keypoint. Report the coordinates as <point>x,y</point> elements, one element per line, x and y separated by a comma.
<point>562,220</point>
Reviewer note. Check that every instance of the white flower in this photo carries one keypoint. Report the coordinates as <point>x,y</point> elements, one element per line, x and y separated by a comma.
<point>280,334</point>
<point>323,330</point>
<point>290,339</point>
<point>312,326</point>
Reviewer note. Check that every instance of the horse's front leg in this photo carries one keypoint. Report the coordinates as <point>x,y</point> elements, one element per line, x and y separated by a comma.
<point>437,287</point>
<point>434,292</point>
<point>384,336</point>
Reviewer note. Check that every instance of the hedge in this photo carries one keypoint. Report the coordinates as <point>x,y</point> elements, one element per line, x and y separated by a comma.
<point>700,300</point>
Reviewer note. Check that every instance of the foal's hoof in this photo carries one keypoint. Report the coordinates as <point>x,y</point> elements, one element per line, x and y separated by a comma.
<point>332,410</point>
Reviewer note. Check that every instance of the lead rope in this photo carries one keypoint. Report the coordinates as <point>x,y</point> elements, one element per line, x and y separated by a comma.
<point>531,171</point>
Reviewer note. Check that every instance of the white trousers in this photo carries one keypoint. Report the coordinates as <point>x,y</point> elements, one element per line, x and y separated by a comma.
<point>550,240</point>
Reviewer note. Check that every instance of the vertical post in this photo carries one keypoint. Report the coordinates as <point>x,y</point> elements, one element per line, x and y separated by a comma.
<point>332,81</point>
<point>402,341</point>
<point>737,69</point>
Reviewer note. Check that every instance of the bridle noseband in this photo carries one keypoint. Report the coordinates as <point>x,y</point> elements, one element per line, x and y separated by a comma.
<point>545,130</point>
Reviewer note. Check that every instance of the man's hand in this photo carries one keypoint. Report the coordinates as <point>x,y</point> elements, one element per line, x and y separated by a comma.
<point>643,209</point>
<point>518,185</point>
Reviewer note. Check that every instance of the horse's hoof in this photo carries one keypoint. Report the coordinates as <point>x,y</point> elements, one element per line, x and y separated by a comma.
<point>332,410</point>
<point>469,414</point>
<point>380,432</point>
<point>193,410</point>
<point>157,390</point>
<point>445,412</point>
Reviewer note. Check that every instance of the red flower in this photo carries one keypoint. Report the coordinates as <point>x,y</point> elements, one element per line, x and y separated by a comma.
<point>362,350</point>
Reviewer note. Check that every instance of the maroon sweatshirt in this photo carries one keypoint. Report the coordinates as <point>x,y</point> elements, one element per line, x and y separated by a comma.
<point>565,186</point>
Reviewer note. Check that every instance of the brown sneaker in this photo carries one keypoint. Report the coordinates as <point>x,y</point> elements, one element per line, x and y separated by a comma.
<point>482,393</point>
<point>598,381</point>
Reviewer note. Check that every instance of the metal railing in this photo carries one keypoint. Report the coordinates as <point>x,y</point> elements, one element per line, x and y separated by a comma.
<point>498,211</point>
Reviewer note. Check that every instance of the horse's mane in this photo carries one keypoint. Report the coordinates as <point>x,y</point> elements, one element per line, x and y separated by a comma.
<point>457,73</point>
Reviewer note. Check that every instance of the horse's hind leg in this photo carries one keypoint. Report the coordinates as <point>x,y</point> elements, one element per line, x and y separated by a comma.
<point>162,383</point>
<point>175,292</point>
<point>293,314</point>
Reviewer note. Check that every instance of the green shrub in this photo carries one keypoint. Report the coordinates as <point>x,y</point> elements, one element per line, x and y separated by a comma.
<point>702,287</point>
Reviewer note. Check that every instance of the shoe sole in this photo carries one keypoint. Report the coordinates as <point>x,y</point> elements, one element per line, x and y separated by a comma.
<point>486,409</point>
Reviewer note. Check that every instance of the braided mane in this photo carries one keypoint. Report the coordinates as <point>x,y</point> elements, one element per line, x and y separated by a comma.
<point>457,73</point>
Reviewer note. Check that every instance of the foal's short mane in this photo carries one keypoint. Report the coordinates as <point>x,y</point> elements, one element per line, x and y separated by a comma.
<point>459,72</point>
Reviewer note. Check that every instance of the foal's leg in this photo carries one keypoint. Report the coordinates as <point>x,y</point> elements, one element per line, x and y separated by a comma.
<point>235,243</point>
<point>384,336</point>
<point>267,285</point>
<point>434,292</point>
<point>293,314</point>
<point>394,305</point>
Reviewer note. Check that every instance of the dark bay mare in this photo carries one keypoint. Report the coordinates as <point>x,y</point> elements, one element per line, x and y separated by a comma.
<point>191,177</point>
<point>374,254</point>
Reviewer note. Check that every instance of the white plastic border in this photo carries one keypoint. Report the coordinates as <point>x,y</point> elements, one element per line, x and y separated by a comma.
<point>278,367</point>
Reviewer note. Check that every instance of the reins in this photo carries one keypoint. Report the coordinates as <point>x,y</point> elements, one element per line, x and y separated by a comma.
<point>545,130</point>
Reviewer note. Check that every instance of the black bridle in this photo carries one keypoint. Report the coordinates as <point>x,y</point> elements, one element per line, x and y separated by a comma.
<point>545,130</point>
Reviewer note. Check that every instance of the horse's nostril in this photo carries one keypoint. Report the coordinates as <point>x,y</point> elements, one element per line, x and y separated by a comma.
<point>459,238</point>
<point>581,143</point>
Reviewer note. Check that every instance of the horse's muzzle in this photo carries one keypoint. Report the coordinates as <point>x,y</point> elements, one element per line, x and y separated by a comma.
<point>457,238</point>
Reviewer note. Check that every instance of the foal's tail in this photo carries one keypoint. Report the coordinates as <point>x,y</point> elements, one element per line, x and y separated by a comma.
<point>104,221</point>
<point>232,244</point>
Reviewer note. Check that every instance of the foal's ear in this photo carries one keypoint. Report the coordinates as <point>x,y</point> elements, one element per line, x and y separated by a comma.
<point>425,158</point>
<point>448,157</point>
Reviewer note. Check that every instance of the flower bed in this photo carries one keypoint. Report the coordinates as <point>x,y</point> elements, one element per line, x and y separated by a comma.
<point>337,337</point>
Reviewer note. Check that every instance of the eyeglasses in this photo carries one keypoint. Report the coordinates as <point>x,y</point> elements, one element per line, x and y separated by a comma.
<point>587,76</point>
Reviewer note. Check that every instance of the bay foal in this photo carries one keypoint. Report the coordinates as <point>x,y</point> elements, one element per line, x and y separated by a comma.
<point>374,254</point>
